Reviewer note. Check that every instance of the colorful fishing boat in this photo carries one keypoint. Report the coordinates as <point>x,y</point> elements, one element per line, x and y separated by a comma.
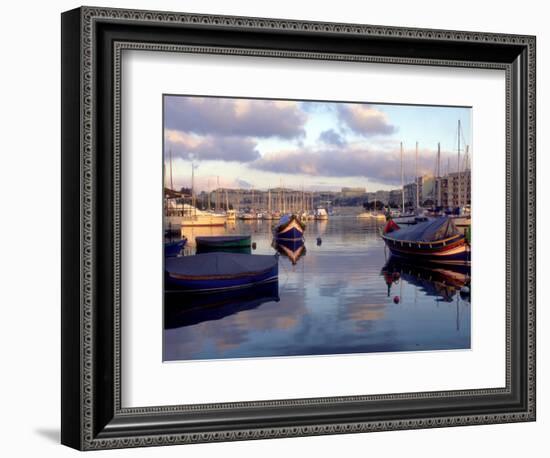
<point>211,272</point>
<point>174,248</point>
<point>289,228</point>
<point>434,240</point>
<point>184,309</point>
<point>230,243</point>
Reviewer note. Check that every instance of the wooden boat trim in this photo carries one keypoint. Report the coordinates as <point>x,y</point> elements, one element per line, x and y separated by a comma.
<point>443,241</point>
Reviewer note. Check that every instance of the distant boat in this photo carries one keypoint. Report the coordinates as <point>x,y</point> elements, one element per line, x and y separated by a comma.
<point>211,272</point>
<point>372,215</point>
<point>435,240</point>
<point>227,243</point>
<point>189,216</point>
<point>247,216</point>
<point>231,215</point>
<point>184,309</point>
<point>174,248</point>
<point>289,228</point>
<point>292,249</point>
<point>321,214</point>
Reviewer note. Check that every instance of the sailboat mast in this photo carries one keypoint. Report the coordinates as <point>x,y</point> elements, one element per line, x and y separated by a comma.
<point>193,187</point>
<point>402,182</point>
<point>209,194</point>
<point>458,135</point>
<point>416,176</point>
<point>438,174</point>
<point>171,180</point>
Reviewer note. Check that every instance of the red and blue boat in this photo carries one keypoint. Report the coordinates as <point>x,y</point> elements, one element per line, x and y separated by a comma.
<point>289,228</point>
<point>210,272</point>
<point>430,240</point>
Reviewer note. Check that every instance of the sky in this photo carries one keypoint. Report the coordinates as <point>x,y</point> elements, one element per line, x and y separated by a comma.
<point>310,145</point>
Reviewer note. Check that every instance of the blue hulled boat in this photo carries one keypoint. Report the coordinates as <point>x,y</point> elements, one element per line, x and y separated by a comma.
<point>289,228</point>
<point>174,248</point>
<point>435,240</point>
<point>219,271</point>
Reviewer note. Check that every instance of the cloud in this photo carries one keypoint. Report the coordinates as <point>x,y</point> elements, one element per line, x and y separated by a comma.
<point>365,120</point>
<point>235,117</point>
<point>189,146</point>
<point>243,184</point>
<point>331,137</point>
<point>354,160</point>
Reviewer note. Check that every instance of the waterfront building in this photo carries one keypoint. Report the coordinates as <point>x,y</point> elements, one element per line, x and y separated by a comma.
<point>395,198</point>
<point>353,192</point>
<point>459,189</point>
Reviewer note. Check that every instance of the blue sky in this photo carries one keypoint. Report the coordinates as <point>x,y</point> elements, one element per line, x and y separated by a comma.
<point>263,143</point>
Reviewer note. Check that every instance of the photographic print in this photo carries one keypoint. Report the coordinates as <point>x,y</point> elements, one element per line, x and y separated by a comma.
<point>303,228</point>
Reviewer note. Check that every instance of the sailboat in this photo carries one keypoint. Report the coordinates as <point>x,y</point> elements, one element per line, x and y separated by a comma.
<point>373,214</point>
<point>403,218</point>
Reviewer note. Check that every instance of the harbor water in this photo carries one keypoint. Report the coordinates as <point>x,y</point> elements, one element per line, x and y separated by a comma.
<point>339,294</point>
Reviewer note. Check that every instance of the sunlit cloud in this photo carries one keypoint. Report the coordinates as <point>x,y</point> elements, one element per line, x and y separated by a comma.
<point>365,120</point>
<point>235,117</point>
<point>208,147</point>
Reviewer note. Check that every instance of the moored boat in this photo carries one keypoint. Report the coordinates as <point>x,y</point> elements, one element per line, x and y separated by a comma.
<point>174,248</point>
<point>231,243</point>
<point>289,228</point>
<point>321,214</point>
<point>435,240</point>
<point>219,271</point>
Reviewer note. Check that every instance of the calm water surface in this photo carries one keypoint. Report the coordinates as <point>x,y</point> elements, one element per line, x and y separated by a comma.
<point>340,296</point>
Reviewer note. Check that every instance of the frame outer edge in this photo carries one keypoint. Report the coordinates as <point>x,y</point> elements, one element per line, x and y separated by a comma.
<point>71,305</point>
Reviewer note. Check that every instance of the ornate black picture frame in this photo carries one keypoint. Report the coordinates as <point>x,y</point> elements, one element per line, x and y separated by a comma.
<point>92,42</point>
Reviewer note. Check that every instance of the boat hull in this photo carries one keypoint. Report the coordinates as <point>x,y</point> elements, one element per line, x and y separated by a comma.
<point>229,244</point>
<point>174,248</point>
<point>293,230</point>
<point>212,278</point>
<point>454,251</point>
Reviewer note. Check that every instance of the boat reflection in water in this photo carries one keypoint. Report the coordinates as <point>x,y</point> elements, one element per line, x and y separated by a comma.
<point>442,282</point>
<point>186,309</point>
<point>292,249</point>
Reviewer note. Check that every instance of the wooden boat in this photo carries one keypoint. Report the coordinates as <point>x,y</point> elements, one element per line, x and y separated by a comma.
<point>289,228</point>
<point>292,249</point>
<point>174,248</point>
<point>321,214</point>
<point>184,309</point>
<point>435,240</point>
<point>219,271</point>
<point>213,243</point>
